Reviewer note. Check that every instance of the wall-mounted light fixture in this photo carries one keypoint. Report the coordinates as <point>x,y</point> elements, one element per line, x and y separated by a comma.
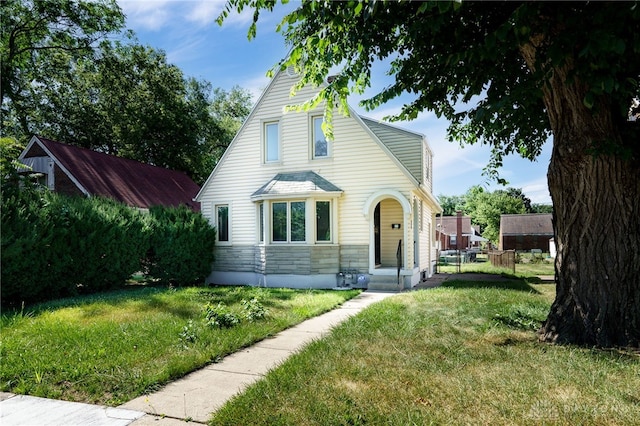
<point>395,226</point>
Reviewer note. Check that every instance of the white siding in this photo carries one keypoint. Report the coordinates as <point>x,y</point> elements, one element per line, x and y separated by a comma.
<point>358,165</point>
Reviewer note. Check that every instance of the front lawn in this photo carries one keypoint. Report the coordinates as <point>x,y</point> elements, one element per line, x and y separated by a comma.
<point>464,353</point>
<point>523,269</point>
<point>112,347</point>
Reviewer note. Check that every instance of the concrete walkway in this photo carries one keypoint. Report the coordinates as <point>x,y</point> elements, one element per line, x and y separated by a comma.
<point>194,397</point>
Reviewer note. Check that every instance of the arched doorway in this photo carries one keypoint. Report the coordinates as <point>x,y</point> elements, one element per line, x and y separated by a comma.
<point>389,214</point>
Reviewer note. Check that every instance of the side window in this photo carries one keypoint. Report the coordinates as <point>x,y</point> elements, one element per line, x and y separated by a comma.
<point>271,142</point>
<point>279,222</point>
<point>261,222</point>
<point>323,221</point>
<point>320,146</point>
<point>222,222</point>
<point>298,221</point>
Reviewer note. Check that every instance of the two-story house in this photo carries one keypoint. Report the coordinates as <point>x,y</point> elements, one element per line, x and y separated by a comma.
<point>294,209</point>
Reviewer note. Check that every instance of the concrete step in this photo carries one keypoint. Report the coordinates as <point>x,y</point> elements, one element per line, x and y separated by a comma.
<point>384,283</point>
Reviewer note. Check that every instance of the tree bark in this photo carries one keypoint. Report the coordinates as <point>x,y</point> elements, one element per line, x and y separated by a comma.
<point>596,199</point>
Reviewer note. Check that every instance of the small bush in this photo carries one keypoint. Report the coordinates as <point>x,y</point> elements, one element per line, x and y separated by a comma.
<point>253,310</point>
<point>220,316</point>
<point>187,335</point>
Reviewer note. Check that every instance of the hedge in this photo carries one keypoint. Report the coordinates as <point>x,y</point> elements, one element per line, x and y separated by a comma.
<point>55,246</point>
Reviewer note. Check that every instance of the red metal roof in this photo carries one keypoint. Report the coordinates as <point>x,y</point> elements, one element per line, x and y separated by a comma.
<point>128,181</point>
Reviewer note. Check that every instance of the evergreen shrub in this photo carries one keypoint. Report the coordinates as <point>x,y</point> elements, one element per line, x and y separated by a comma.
<point>55,246</point>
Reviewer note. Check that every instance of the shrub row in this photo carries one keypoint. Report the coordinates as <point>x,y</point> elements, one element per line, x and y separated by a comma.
<point>55,246</point>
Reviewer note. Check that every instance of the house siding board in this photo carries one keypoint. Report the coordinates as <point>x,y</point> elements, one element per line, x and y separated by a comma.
<point>288,259</point>
<point>354,257</point>
<point>354,156</point>
<point>526,242</point>
<point>236,258</point>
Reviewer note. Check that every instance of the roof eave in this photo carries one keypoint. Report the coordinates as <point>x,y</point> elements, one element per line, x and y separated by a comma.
<point>298,195</point>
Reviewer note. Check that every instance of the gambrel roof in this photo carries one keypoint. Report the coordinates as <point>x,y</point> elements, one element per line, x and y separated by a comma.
<point>127,181</point>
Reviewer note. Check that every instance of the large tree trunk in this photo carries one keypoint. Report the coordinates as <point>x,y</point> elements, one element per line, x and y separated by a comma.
<point>596,202</point>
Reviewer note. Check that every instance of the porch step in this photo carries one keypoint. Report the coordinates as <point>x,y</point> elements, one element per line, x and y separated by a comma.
<point>384,283</point>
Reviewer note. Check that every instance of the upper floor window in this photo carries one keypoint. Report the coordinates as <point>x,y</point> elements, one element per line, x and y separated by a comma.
<point>271,142</point>
<point>320,144</point>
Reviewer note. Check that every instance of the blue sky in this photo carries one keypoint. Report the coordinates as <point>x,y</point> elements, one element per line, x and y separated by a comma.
<point>186,30</point>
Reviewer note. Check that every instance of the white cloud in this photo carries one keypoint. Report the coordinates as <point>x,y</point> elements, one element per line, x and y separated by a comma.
<point>148,14</point>
<point>204,12</point>
<point>537,191</point>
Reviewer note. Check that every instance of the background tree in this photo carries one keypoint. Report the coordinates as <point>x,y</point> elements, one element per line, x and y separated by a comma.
<point>451,204</point>
<point>485,208</point>
<point>541,208</point>
<point>65,80</point>
<point>570,69</point>
<point>229,110</point>
<point>35,28</point>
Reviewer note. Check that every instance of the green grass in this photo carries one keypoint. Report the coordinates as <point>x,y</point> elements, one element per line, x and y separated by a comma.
<point>484,266</point>
<point>112,347</point>
<point>464,353</point>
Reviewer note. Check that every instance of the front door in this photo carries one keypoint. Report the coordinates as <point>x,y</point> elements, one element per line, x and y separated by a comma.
<point>376,232</point>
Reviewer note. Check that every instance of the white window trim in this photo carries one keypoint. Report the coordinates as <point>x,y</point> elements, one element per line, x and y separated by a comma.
<point>263,137</point>
<point>310,221</point>
<point>262,218</point>
<point>314,237</point>
<point>214,216</point>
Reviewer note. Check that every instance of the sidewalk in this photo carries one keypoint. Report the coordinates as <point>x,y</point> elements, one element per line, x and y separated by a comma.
<point>194,397</point>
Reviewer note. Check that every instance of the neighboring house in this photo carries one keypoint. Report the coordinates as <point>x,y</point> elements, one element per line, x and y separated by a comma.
<point>447,233</point>
<point>73,170</point>
<point>524,232</point>
<point>293,209</point>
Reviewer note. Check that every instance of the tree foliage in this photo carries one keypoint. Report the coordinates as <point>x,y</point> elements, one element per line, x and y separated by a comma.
<point>508,75</point>
<point>33,29</point>
<point>463,61</point>
<point>79,87</point>
<point>229,110</point>
<point>485,207</point>
<point>451,204</point>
